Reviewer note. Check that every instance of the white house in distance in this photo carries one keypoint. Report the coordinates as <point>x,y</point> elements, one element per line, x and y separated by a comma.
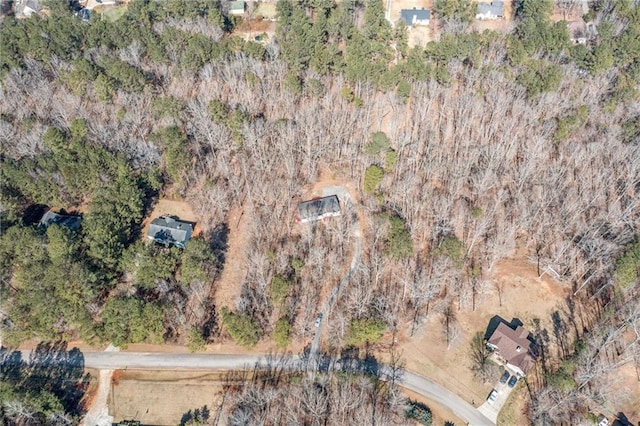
<point>414,16</point>
<point>492,10</point>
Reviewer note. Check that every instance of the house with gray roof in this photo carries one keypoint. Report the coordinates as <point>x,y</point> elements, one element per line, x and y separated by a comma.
<point>318,209</point>
<point>415,16</point>
<point>68,221</point>
<point>169,230</point>
<point>493,10</point>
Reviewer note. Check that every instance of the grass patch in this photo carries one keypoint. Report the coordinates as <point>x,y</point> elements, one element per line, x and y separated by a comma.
<point>267,11</point>
<point>110,13</point>
<point>511,413</point>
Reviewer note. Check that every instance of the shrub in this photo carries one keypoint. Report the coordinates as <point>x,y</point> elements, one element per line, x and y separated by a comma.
<point>297,264</point>
<point>420,413</point>
<point>399,243</point>
<point>627,272</point>
<point>196,257</point>
<point>241,327</point>
<point>372,178</point>
<point>365,330</point>
<point>279,289</point>
<point>128,320</point>
<point>403,92</point>
<point>282,333</point>
<point>378,143</point>
<point>196,341</point>
<point>390,159</point>
<point>453,248</point>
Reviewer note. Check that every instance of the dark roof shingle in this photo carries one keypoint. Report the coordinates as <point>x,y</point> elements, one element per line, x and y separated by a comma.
<point>68,221</point>
<point>319,208</point>
<point>169,230</point>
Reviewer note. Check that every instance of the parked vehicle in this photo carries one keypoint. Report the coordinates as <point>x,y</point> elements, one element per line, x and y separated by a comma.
<point>492,396</point>
<point>504,377</point>
<point>318,320</point>
<point>513,381</point>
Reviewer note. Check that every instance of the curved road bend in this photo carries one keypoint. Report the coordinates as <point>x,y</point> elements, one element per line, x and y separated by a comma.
<point>169,361</point>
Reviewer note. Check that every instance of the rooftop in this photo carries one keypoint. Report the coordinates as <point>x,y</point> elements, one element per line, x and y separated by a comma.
<point>68,221</point>
<point>319,208</point>
<point>514,346</point>
<point>236,5</point>
<point>408,15</point>
<point>495,8</point>
<point>170,230</point>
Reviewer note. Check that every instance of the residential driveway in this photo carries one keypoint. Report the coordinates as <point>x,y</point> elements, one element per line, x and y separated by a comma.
<point>491,411</point>
<point>344,197</point>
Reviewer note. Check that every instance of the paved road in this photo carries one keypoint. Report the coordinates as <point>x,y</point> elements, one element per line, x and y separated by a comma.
<point>344,196</point>
<point>172,361</point>
<point>442,396</point>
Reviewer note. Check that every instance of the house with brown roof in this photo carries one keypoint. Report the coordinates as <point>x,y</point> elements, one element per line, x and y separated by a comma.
<point>513,348</point>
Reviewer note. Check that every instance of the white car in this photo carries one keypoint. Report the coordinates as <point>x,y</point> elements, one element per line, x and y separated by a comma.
<point>492,396</point>
<point>318,320</point>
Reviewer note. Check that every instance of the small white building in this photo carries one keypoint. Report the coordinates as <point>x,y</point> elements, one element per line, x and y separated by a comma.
<point>237,8</point>
<point>414,16</point>
<point>491,11</point>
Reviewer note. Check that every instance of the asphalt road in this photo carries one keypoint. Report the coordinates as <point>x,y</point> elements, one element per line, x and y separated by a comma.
<point>442,396</point>
<point>172,361</point>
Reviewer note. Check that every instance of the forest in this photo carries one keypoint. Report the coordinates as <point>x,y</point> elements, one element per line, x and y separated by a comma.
<point>472,149</point>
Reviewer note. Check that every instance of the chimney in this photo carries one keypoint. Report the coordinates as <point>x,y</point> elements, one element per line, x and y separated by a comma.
<point>518,348</point>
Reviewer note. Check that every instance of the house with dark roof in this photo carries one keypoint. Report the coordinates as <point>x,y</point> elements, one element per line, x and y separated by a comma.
<point>513,348</point>
<point>68,221</point>
<point>169,230</point>
<point>493,10</point>
<point>415,16</point>
<point>318,209</point>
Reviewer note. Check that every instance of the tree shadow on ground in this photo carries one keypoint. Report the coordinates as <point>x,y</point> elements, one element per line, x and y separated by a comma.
<point>34,213</point>
<point>197,416</point>
<point>210,325</point>
<point>50,368</point>
<point>495,321</point>
<point>219,242</point>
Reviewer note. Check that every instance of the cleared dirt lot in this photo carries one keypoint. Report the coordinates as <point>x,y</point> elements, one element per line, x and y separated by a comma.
<point>627,385</point>
<point>170,207</point>
<point>420,35</point>
<point>162,397</point>
<point>229,287</point>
